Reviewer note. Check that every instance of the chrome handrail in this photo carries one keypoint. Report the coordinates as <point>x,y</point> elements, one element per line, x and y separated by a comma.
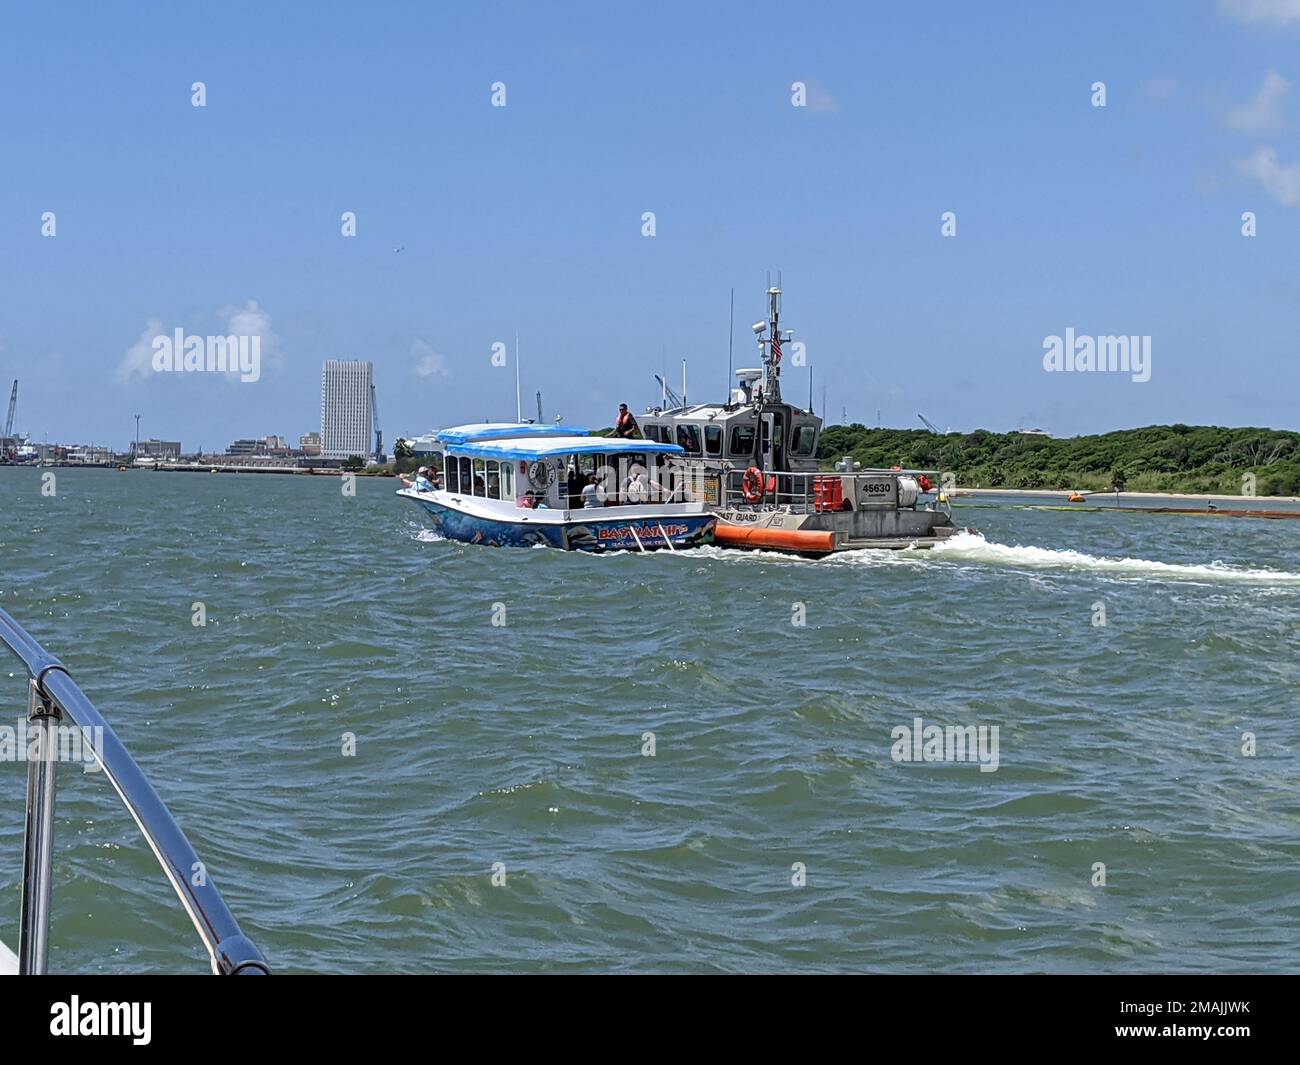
<point>53,693</point>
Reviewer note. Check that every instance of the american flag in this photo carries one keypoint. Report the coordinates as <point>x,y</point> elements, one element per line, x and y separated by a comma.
<point>776,348</point>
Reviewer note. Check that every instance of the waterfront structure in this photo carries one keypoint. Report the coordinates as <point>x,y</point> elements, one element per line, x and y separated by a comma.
<point>167,450</point>
<point>424,446</point>
<point>309,444</point>
<point>346,408</point>
<point>266,445</point>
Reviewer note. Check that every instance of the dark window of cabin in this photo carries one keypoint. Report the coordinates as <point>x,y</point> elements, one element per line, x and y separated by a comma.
<point>805,439</point>
<point>688,438</point>
<point>742,441</point>
<point>713,440</point>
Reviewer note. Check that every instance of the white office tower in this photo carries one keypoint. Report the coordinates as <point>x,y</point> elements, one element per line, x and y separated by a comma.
<point>345,428</point>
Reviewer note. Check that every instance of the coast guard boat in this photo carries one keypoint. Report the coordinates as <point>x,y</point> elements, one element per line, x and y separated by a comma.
<point>755,457</point>
<point>510,484</point>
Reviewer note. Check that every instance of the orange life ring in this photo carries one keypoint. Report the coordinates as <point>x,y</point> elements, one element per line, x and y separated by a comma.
<point>752,487</point>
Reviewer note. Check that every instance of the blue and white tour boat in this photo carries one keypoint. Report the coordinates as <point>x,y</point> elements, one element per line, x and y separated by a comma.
<point>510,484</point>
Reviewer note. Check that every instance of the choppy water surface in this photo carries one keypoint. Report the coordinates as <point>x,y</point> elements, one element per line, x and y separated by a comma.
<point>521,743</point>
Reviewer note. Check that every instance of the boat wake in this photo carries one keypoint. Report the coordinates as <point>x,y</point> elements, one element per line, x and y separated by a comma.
<point>972,547</point>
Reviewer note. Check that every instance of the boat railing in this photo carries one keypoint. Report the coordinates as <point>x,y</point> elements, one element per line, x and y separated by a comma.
<point>53,701</point>
<point>823,490</point>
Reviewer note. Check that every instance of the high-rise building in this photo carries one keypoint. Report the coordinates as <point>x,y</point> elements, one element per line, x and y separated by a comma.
<point>345,428</point>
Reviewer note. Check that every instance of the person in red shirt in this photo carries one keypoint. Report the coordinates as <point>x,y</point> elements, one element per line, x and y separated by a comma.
<point>626,425</point>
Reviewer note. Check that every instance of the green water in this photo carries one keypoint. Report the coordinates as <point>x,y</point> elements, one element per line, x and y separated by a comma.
<point>522,743</point>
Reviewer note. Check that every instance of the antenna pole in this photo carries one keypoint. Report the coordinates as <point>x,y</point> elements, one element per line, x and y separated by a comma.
<point>519,402</point>
<point>731,338</point>
<point>683,382</point>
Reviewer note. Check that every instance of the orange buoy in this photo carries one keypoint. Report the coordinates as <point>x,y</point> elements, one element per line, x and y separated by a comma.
<point>757,537</point>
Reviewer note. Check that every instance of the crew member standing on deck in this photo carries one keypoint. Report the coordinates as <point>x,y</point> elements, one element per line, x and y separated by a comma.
<point>626,425</point>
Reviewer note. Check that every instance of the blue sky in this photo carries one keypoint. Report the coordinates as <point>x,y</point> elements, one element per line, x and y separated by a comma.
<point>1117,220</point>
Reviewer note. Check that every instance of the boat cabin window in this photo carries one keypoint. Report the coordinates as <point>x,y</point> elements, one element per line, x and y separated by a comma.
<point>713,440</point>
<point>688,438</point>
<point>455,481</point>
<point>742,442</point>
<point>507,481</point>
<point>657,433</point>
<point>480,477</point>
<point>493,479</point>
<point>777,437</point>
<point>805,439</point>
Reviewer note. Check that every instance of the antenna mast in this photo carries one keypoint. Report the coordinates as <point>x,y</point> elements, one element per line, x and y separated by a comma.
<point>731,337</point>
<point>519,402</point>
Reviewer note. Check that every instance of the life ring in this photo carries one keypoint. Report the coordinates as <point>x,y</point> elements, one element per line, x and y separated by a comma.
<point>752,487</point>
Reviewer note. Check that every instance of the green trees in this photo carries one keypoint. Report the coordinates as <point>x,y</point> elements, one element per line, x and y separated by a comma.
<point>1156,458</point>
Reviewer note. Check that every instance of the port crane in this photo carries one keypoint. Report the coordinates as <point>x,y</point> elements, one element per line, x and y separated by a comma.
<point>929,425</point>
<point>379,433</point>
<point>8,446</point>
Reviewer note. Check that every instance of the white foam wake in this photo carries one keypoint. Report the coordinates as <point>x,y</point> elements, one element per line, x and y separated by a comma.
<point>972,547</point>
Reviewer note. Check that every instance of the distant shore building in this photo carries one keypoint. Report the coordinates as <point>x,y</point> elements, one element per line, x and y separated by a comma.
<point>345,404</point>
<point>422,446</point>
<point>167,450</point>
<point>309,443</point>
<point>266,445</point>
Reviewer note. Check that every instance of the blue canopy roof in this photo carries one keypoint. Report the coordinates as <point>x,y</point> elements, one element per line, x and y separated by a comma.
<point>543,447</point>
<point>464,434</point>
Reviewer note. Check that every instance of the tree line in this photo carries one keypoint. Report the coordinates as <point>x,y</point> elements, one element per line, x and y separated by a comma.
<point>1158,458</point>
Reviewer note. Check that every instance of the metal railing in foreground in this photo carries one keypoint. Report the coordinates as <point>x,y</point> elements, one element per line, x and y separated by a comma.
<point>52,697</point>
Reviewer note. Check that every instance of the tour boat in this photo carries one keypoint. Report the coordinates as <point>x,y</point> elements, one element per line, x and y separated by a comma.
<point>519,484</point>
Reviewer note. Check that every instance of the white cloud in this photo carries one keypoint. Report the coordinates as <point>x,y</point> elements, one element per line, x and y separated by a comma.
<point>428,363</point>
<point>139,356</point>
<point>1276,12</point>
<point>249,320</point>
<point>1263,113</point>
<point>1281,181</point>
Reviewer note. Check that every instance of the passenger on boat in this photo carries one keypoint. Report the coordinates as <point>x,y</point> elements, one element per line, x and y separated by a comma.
<point>593,494</point>
<point>636,489</point>
<point>625,425</point>
<point>423,480</point>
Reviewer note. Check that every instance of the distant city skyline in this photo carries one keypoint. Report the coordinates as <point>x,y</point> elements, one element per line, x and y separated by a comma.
<point>942,189</point>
